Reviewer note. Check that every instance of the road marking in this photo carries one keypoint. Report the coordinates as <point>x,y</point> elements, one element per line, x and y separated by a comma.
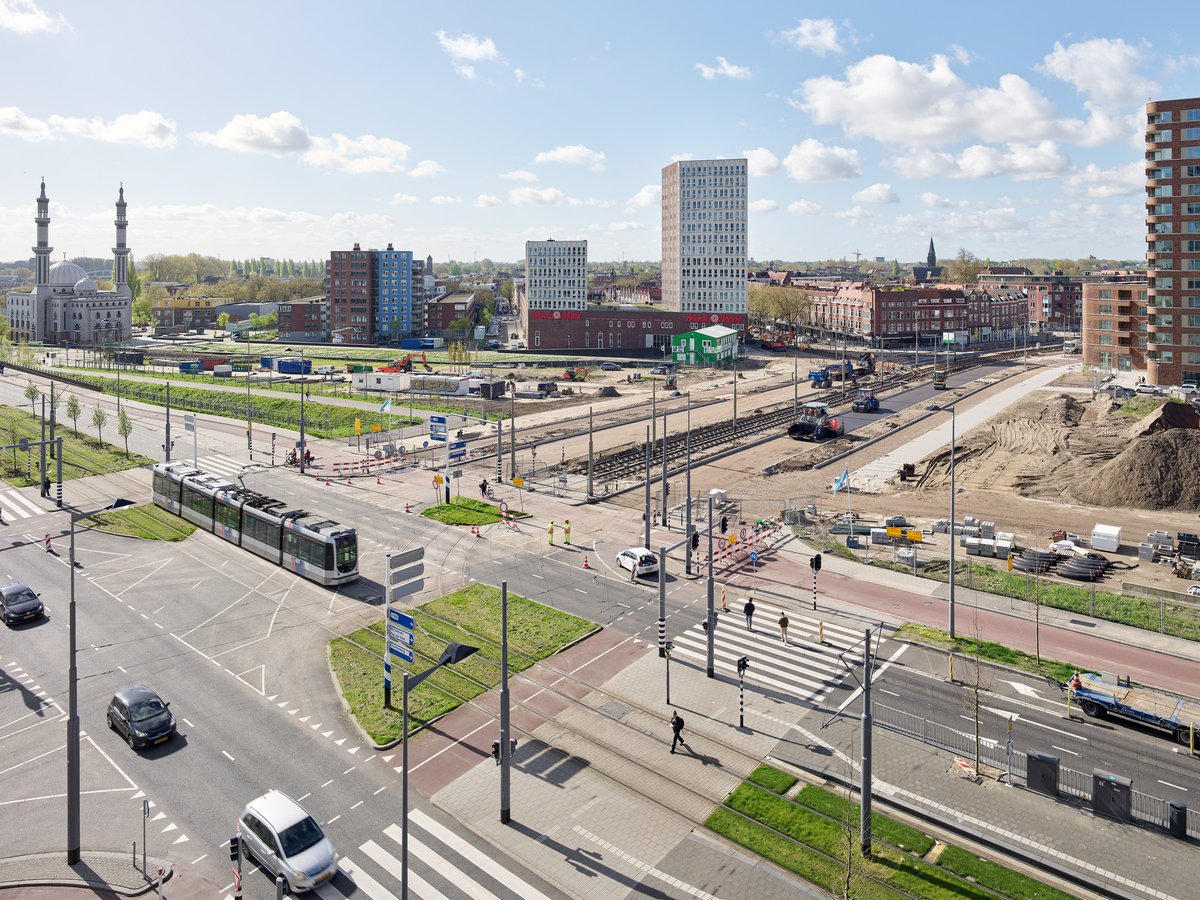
<point>452,745</point>
<point>328,783</point>
<point>186,722</point>
<point>643,866</point>
<point>384,788</point>
<point>305,797</point>
<point>389,863</point>
<point>536,575</point>
<point>1023,689</point>
<point>1058,730</point>
<point>357,805</point>
<point>226,755</point>
<point>889,693</point>
<point>891,659</point>
<point>198,858</point>
<point>334,819</point>
<point>35,759</point>
<point>1064,750</point>
<point>1168,784</point>
<point>580,590</point>
<point>349,770</point>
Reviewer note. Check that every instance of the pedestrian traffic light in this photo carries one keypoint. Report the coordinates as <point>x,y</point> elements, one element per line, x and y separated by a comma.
<point>704,626</point>
<point>496,751</point>
<point>815,562</point>
<point>695,540</point>
<point>724,524</point>
<point>667,489</point>
<point>743,664</point>
<point>234,845</point>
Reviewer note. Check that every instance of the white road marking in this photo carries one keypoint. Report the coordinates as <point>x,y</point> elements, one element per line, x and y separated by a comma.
<point>1168,784</point>
<point>1064,749</point>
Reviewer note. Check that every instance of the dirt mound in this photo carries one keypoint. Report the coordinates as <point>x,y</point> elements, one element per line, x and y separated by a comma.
<point>1166,417</point>
<point>1160,471</point>
<point>608,391</point>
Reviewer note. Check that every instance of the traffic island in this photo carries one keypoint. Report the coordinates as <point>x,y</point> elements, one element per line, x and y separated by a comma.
<point>96,871</point>
<point>465,511</point>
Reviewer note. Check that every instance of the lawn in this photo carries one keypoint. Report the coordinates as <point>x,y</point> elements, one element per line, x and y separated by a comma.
<point>817,838</point>
<point>82,455</point>
<point>988,650</point>
<point>469,616</point>
<point>465,511</point>
<point>148,522</point>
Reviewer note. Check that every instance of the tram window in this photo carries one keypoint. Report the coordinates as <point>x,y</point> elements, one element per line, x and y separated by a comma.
<point>227,515</point>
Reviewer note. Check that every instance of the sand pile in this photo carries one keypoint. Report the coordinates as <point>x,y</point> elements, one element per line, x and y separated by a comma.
<point>608,391</point>
<point>1159,471</point>
<point>1168,416</point>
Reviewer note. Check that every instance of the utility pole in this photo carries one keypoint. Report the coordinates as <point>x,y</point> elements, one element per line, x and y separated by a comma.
<point>795,387</point>
<point>505,746</point>
<point>864,822</point>
<point>646,514</point>
<point>735,401</point>
<point>167,445</point>
<point>953,418</point>
<point>665,486</point>
<point>662,602</point>
<point>687,544</point>
<point>42,492</point>
<point>712,615</point>
<point>590,485</point>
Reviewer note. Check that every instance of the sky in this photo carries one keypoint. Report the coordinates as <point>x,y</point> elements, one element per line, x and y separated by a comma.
<point>462,129</point>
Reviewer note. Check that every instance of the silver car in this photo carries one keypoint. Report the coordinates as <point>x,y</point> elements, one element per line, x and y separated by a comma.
<point>277,832</point>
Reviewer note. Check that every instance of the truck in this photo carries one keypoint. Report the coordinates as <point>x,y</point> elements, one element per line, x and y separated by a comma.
<point>939,381</point>
<point>1098,697</point>
<point>825,376</point>
<point>865,401</point>
<point>815,424</point>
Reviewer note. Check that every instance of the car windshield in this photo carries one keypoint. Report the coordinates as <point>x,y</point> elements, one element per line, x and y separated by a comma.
<point>142,710</point>
<point>300,836</point>
<point>25,595</point>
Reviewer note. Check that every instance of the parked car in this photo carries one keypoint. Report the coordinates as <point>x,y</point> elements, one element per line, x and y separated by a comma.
<point>141,717</point>
<point>638,560</point>
<point>611,366</point>
<point>1186,389</point>
<point>20,603</point>
<point>1194,590</point>
<point>661,370</point>
<point>493,345</point>
<point>1147,388</point>
<point>285,840</point>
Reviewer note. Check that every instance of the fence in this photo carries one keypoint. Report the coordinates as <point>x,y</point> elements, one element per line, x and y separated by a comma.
<point>1145,808</point>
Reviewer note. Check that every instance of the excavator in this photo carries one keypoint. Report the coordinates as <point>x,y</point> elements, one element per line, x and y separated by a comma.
<point>575,373</point>
<point>405,363</point>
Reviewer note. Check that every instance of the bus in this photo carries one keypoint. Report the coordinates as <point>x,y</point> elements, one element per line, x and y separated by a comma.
<point>320,550</point>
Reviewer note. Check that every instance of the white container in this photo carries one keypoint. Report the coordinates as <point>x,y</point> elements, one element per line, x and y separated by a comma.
<point>218,370</point>
<point>718,496</point>
<point>1106,537</point>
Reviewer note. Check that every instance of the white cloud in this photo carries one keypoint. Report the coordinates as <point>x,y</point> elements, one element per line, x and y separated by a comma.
<point>763,205</point>
<point>143,129</point>
<point>723,69</point>
<point>876,193</point>
<point>854,213</point>
<point>279,133</point>
<point>426,168</point>
<point>894,101</point>
<point>1024,162</point>
<point>818,35</point>
<point>518,175</point>
<point>760,161</point>
<point>648,196</point>
<point>483,201</point>
<point>804,208</point>
<point>590,201</point>
<point>527,196</point>
<point>1102,69</point>
<point>14,123</point>
<point>810,160</point>
<point>519,74</point>
<point>403,198</point>
<point>935,201</point>
<point>443,200</point>
<point>962,54</point>
<point>615,227</point>
<point>573,155</point>
<point>466,49</point>
<point>464,70</point>
<point>356,156</point>
<point>1098,184</point>
<point>26,17</point>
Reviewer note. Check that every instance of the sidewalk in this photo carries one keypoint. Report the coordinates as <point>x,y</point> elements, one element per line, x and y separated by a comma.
<point>96,871</point>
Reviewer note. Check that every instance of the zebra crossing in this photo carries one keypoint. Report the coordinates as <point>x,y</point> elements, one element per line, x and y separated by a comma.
<point>441,866</point>
<point>16,505</point>
<point>221,465</point>
<point>804,669</point>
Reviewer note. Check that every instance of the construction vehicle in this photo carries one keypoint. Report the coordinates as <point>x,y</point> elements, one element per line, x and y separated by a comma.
<point>1098,697</point>
<point>825,376</point>
<point>405,363</point>
<point>865,402</point>
<point>815,424</point>
<point>575,373</point>
<point>939,380</point>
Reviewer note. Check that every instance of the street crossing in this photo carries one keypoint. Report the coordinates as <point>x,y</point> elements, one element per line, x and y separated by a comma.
<point>221,465</point>
<point>804,669</point>
<point>441,866</point>
<point>16,505</point>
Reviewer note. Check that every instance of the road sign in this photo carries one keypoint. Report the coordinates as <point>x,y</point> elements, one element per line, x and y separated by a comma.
<point>379,454</point>
<point>744,533</point>
<point>398,635</point>
<point>435,428</point>
<point>457,454</point>
<point>405,557</point>
<point>402,651</point>
<point>407,589</point>
<point>753,556</point>
<point>518,482</point>
<point>404,620</point>
<point>503,506</point>
<point>457,445</point>
<point>438,420</point>
<point>437,479</point>
<point>408,573</point>
<point>189,422</point>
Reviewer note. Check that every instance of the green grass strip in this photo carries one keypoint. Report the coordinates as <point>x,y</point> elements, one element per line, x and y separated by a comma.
<point>987,650</point>
<point>466,511</point>
<point>147,522</point>
<point>1000,879</point>
<point>470,616</point>
<point>82,455</point>
<point>841,809</point>
<point>773,779</point>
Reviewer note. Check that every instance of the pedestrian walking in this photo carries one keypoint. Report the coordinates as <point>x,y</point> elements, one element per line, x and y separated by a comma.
<point>676,730</point>
<point>783,626</point>
<point>748,609</point>
<point>483,488</point>
<point>550,533</point>
<point>567,532</point>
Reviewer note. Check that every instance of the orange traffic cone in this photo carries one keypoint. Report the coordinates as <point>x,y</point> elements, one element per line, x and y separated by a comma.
<point>585,562</point>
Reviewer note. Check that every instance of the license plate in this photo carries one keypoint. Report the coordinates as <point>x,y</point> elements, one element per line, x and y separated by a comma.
<point>324,877</point>
<point>161,739</point>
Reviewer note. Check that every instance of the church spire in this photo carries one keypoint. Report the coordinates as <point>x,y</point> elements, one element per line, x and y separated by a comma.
<point>931,258</point>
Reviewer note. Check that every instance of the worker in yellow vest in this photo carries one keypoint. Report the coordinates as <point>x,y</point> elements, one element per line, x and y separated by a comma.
<point>550,533</point>
<point>567,532</point>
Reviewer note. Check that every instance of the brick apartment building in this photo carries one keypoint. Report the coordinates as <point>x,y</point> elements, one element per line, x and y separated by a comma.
<point>442,312</point>
<point>350,287</point>
<point>1055,300</point>
<point>1114,325</point>
<point>304,320</point>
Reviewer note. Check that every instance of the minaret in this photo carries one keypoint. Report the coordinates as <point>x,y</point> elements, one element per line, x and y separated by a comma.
<point>931,259</point>
<point>121,252</point>
<point>43,248</point>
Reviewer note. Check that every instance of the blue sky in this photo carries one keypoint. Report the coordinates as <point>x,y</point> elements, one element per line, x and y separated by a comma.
<point>462,129</point>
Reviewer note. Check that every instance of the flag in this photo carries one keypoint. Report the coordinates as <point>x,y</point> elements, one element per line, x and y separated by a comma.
<point>842,481</point>
<point>386,406</point>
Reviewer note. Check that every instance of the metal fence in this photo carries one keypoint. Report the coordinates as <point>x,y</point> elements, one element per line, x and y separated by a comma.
<point>1000,755</point>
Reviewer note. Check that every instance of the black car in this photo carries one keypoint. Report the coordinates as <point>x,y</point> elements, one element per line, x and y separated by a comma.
<point>140,716</point>
<point>21,604</point>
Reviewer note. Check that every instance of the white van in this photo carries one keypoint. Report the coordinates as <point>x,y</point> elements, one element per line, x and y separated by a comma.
<point>326,370</point>
<point>277,832</point>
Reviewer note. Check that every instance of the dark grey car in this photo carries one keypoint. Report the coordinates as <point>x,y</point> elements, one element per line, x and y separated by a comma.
<point>140,716</point>
<point>20,603</point>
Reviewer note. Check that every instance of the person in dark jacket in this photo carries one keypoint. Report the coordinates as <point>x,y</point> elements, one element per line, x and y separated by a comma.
<point>676,730</point>
<point>748,609</point>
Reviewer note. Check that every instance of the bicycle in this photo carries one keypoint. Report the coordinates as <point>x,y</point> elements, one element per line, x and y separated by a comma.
<point>489,493</point>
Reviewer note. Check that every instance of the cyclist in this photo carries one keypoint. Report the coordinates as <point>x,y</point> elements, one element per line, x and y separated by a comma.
<point>483,488</point>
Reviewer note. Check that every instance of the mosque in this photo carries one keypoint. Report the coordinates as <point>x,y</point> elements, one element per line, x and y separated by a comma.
<point>65,307</point>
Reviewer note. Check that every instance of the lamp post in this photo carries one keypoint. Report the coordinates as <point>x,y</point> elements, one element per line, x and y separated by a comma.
<point>303,391</point>
<point>73,697</point>
<point>453,654</point>
<point>953,422</point>
<point>249,421</point>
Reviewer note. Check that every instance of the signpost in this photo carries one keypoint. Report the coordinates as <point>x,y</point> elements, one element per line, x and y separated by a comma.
<point>189,424</point>
<point>404,578</point>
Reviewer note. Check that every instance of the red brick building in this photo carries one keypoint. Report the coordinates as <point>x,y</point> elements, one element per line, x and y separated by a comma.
<point>350,286</point>
<point>442,312</point>
<point>1114,325</point>
<point>306,319</point>
<point>1055,300</point>
<point>628,330</point>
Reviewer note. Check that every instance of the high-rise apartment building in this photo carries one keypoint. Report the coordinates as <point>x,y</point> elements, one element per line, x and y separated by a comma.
<point>1173,241</point>
<point>375,296</point>
<point>400,285</point>
<point>704,237</point>
<point>556,274</point>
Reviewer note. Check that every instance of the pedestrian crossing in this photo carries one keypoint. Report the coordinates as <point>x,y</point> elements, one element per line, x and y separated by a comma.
<point>15,505</point>
<point>222,465</point>
<point>441,866</point>
<point>803,669</point>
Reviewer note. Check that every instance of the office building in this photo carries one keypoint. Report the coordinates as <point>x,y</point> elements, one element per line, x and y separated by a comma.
<point>704,238</point>
<point>1173,241</point>
<point>556,274</point>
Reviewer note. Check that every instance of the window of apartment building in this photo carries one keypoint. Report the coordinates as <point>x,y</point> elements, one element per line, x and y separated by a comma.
<point>1191,284</point>
<point>1191,134</point>
<point>1106,324</point>
<point>1105,309</point>
<point>1106,340</point>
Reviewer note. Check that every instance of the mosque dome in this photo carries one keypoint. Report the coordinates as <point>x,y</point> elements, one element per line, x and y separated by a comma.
<point>65,272</point>
<point>85,285</point>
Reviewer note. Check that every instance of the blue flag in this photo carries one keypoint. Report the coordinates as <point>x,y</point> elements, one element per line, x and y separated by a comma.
<point>386,405</point>
<point>842,481</point>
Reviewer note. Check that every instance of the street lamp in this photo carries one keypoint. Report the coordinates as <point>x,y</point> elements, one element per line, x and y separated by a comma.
<point>73,697</point>
<point>303,391</point>
<point>453,654</point>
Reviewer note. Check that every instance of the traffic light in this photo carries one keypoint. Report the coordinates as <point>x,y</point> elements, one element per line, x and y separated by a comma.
<point>666,489</point>
<point>235,843</point>
<point>815,562</point>
<point>496,751</point>
<point>704,626</point>
<point>695,541</point>
<point>724,524</point>
<point>743,664</point>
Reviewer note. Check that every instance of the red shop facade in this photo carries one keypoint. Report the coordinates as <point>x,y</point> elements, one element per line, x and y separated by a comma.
<point>629,332</point>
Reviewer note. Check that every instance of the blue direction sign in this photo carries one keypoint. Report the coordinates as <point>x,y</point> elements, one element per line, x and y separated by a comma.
<point>398,635</point>
<point>438,420</point>
<point>753,556</point>
<point>402,651</point>
<point>458,449</point>
<point>402,619</point>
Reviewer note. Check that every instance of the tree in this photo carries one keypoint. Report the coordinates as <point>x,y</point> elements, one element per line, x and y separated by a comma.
<point>74,411</point>
<point>142,313</point>
<point>506,290</point>
<point>124,427</point>
<point>99,420</point>
<point>455,270</point>
<point>460,325</point>
<point>759,308</point>
<point>964,268</point>
<point>895,268</point>
<point>233,270</point>
<point>791,306</point>
<point>31,394</point>
<point>133,279</point>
